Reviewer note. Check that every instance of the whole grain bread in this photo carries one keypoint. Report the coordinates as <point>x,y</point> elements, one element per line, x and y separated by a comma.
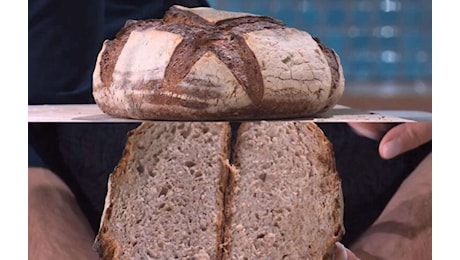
<point>176,195</point>
<point>286,200</point>
<point>165,197</point>
<point>201,63</point>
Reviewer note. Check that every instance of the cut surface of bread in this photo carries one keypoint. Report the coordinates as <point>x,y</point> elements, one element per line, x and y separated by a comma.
<point>287,200</point>
<point>165,196</point>
<point>176,195</point>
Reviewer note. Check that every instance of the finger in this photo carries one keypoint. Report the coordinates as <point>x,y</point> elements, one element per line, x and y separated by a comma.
<point>343,253</point>
<point>403,138</point>
<point>370,130</point>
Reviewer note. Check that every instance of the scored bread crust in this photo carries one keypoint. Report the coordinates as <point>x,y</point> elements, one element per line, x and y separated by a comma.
<point>206,64</point>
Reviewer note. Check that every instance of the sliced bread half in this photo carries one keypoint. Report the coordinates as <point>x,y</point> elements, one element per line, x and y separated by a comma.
<point>165,197</point>
<point>287,200</point>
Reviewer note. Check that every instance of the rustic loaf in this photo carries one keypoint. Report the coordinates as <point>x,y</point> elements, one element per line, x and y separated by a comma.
<point>176,194</point>
<point>202,63</point>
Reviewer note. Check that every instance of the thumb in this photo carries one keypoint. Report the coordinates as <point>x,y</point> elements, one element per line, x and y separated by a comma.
<point>404,137</point>
<point>343,253</point>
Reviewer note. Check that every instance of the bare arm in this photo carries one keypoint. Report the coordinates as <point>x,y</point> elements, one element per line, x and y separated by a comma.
<point>403,230</point>
<point>57,227</point>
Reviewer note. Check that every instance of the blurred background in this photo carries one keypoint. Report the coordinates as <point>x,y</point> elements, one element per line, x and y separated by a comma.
<point>384,46</point>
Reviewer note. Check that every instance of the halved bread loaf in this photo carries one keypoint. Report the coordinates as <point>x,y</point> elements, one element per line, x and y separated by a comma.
<point>165,197</point>
<point>287,198</point>
<point>175,195</point>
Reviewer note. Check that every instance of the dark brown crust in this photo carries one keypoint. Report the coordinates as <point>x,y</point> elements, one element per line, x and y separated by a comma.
<point>329,160</point>
<point>189,110</point>
<point>176,15</point>
<point>247,24</point>
<point>231,191</point>
<point>178,67</point>
<point>222,191</point>
<point>113,48</point>
<point>230,187</point>
<point>245,68</point>
<point>333,64</point>
<point>104,243</point>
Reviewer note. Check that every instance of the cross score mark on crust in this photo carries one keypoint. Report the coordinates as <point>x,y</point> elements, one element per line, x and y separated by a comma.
<point>224,39</point>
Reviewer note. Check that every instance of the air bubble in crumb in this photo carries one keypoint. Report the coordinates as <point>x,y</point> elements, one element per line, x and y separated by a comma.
<point>186,132</point>
<point>190,164</point>
<point>164,191</point>
<point>198,174</point>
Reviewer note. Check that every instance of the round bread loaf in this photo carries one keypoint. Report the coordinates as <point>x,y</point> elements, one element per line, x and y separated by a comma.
<point>206,64</point>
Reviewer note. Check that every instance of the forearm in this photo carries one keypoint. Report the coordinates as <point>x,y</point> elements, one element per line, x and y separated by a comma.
<point>403,230</point>
<point>57,227</point>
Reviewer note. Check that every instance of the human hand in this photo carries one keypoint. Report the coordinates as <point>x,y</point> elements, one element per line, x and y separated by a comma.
<point>395,140</point>
<point>343,253</point>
